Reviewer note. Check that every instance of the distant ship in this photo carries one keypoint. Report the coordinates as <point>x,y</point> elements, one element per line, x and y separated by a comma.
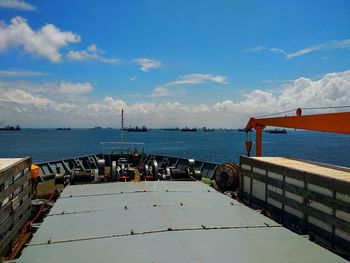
<point>137,129</point>
<point>63,129</point>
<point>187,129</point>
<point>11,128</point>
<point>97,128</point>
<point>205,129</point>
<point>277,131</point>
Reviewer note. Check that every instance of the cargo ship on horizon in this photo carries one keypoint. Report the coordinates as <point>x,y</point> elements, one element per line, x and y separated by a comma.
<point>188,129</point>
<point>277,131</point>
<point>63,129</point>
<point>10,128</point>
<point>137,129</point>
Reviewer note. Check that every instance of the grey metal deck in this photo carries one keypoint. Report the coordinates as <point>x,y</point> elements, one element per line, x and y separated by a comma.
<point>162,222</point>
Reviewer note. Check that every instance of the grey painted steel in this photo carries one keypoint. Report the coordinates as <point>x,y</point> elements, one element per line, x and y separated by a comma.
<point>162,222</point>
<point>92,189</point>
<point>264,245</point>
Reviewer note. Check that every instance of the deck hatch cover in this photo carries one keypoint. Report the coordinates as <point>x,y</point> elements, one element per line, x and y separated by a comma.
<point>162,221</point>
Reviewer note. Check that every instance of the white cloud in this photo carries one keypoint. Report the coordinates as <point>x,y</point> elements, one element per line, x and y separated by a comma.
<point>20,73</point>
<point>29,102</point>
<point>17,4</point>
<point>194,79</point>
<point>278,50</point>
<point>92,48</point>
<point>334,44</point>
<point>108,104</point>
<point>146,64</point>
<point>331,90</point>
<point>133,78</point>
<point>161,91</point>
<point>63,107</point>
<point>199,78</point>
<point>91,53</point>
<point>329,45</point>
<point>59,92</point>
<point>75,88</point>
<point>24,98</point>
<point>277,81</point>
<point>45,105</point>
<point>255,49</point>
<point>46,42</point>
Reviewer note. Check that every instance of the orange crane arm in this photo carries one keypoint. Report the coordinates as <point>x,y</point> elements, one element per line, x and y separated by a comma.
<point>329,122</point>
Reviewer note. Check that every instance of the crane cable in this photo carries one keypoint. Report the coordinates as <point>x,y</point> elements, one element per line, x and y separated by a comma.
<point>305,108</point>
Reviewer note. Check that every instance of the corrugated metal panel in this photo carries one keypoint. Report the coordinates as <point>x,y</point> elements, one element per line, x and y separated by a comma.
<point>162,222</point>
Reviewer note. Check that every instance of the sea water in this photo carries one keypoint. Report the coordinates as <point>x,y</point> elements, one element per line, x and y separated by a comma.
<point>218,146</point>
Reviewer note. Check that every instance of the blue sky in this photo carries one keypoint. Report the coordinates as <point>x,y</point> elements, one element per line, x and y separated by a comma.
<point>169,63</point>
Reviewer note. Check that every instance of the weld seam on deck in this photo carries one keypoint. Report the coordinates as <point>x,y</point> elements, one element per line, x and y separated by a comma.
<point>138,207</point>
<point>136,192</point>
<point>203,228</point>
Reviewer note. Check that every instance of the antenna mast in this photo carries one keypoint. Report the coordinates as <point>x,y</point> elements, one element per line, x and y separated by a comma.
<point>122,128</point>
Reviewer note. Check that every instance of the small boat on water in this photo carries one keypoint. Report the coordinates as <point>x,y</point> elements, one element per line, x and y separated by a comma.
<point>63,129</point>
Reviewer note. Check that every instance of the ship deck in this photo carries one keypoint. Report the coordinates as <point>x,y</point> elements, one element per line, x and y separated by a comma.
<point>162,221</point>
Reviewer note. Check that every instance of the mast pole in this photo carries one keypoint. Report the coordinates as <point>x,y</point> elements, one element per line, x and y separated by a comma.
<point>122,128</point>
<point>122,133</point>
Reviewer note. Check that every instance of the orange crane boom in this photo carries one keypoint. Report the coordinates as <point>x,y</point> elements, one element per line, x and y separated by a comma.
<point>328,122</point>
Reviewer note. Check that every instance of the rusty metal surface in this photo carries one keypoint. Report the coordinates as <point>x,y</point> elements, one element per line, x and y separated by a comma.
<point>162,222</point>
